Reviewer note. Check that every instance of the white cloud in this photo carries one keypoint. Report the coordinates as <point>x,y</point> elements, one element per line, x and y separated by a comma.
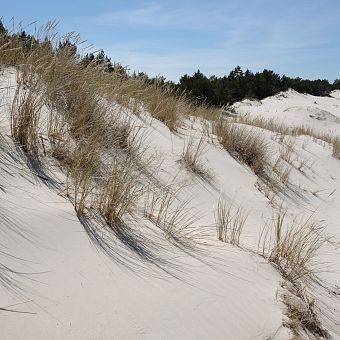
<point>256,35</point>
<point>156,15</point>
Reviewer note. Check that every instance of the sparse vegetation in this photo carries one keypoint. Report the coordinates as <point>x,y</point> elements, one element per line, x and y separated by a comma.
<point>242,144</point>
<point>25,116</point>
<point>271,125</point>
<point>282,168</point>
<point>336,148</point>
<point>293,247</point>
<point>301,312</point>
<point>169,213</point>
<point>229,222</point>
<point>119,192</point>
<point>191,158</point>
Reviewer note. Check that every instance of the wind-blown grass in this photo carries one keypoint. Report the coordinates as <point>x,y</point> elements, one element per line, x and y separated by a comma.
<point>271,124</point>
<point>119,191</point>
<point>191,158</point>
<point>229,222</point>
<point>86,136</point>
<point>169,213</point>
<point>300,309</point>
<point>25,112</point>
<point>293,247</point>
<point>242,144</point>
<point>336,148</point>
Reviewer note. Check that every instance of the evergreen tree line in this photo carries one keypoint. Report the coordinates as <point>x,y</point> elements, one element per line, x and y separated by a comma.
<point>217,91</point>
<point>241,84</point>
<point>28,42</point>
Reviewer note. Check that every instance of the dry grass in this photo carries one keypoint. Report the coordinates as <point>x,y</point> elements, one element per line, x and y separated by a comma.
<point>205,112</point>
<point>282,167</point>
<point>191,158</point>
<point>25,112</point>
<point>10,52</point>
<point>97,147</point>
<point>119,192</point>
<point>336,148</point>
<point>168,212</point>
<point>271,125</point>
<point>229,223</point>
<point>287,153</point>
<point>242,144</point>
<point>163,105</point>
<point>82,166</point>
<point>85,135</point>
<point>63,76</point>
<point>293,248</point>
<point>300,309</point>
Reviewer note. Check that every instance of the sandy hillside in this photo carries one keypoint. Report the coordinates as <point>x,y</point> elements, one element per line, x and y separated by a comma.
<point>63,277</point>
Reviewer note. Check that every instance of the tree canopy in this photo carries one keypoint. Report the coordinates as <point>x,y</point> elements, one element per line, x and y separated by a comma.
<point>241,84</point>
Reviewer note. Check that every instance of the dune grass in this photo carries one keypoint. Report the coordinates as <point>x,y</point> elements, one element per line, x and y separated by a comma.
<point>93,141</point>
<point>301,312</point>
<point>25,112</point>
<point>336,148</point>
<point>165,209</point>
<point>98,149</point>
<point>119,191</point>
<point>81,125</point>
<point>242,144</point>
<point>293,247</point>
<point>271,124</point>
<point>191,158</point>
<point>229,222</point>
<point>163,105</point>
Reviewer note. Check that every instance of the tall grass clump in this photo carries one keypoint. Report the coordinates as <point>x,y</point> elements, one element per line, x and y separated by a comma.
<point>336,148</point>
<point>84,132</point>
<point>83,165</point>
<point>301,311</point>
<point>229,222</point>
<point>293,247</point>
<point>242,144</point>
<point>25,113</point>
<point>165,105</point>
<point>191,158</point>
<point>169,213</point>
<point>119,192</point>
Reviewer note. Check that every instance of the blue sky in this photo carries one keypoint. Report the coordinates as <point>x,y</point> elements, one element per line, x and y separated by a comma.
<point>171,38</point>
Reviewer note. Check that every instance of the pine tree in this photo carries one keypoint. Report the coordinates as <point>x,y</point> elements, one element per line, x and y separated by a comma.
<point>3,34</point>
<point>336,84</point>
<point>3,30</point>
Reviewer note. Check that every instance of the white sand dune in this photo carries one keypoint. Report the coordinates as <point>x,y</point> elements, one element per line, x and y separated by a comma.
<point>295,109</point>
<point>64,286</point>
